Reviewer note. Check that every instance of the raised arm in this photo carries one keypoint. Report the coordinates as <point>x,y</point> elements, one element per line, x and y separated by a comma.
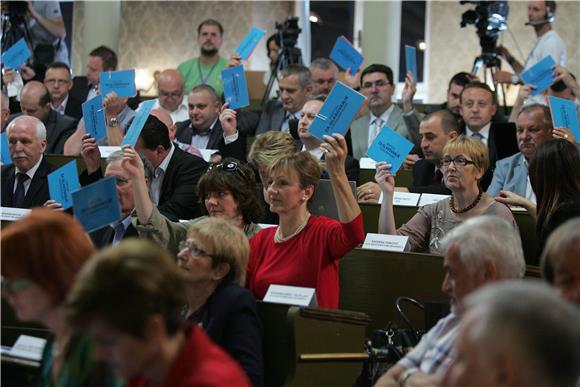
<point>386,180</point>
<point>133,165</point>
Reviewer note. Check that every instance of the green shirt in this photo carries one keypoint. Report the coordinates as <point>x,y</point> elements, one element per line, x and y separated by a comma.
<point>196,74</point>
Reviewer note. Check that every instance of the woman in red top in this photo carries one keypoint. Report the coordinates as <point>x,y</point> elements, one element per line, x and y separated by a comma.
<point>304,250</point>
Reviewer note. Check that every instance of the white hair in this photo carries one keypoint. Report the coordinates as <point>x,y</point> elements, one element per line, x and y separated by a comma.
<point>38,126</point>
<point>488,238</point>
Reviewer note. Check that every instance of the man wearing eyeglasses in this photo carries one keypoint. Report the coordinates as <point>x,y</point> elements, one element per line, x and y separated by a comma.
<point>378,87</point>
<point>59,83</point>
<point>171,95</point>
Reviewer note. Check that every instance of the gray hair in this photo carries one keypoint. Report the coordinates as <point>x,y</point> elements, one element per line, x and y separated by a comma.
<point>149,169</point>
<point>547,115</point>
<point>304,76</point>
<point>530,321</point>
<point>561,245</point>
<point>488,238</point>
<point>39,127</point>
<point>323,64</point>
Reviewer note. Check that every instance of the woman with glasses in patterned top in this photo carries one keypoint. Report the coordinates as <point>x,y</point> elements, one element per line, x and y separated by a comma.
<point>463,164</point>
<point>228,189</point>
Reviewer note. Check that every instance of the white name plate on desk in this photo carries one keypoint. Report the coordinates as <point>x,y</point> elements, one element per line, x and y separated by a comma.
<point>431,198</point>
<point>26,347</point>
<point>291,295</point>
<point>367,163</point>
<point>407,199</point>
<point>385,242</point>
<point>107,150</point>
<point>13,214</point>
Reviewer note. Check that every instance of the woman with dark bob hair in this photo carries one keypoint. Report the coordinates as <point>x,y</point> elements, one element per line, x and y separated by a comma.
<point>41,256</point>
<point>228,189</point>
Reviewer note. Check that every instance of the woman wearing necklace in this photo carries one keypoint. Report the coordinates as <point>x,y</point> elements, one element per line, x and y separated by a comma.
<point>464,162</point>
<point>304,250</point>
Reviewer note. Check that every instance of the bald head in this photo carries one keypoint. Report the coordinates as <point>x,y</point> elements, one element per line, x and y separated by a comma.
<point>171,87</point>
<point>164,117</point>
<point>35,100</point>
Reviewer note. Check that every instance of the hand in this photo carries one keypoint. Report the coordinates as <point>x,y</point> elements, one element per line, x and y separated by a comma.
<point>113,104</point>
<point>384,178</point>
<point>503,76</point>
<point>235,60</point>
<point>409,92</point>
<point>132,163</point>
<point>91,154</point>
<point>510,198</point>
<point>352,80</point>
<point>27,73</point>
<point>565,134</point>
<point>8,76</point>
<point>228,119</point>
<point>335,153</point>
<point>53,205</point>
<point>525,91</point>
<point>561,73</point>
<point>410,161</point>
<point>369,192</point>
<point>503,52</point>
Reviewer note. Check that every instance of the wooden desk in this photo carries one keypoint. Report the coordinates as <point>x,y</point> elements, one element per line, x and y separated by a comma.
<point>404,178</point>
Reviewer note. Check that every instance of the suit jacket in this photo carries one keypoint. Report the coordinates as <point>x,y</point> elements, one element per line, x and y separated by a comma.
<point>80,89</point>
<point>360,131</point>
<point>178,195</point>
<point>74,108</point>
<point>511,174</point>
<point>423,171</point>
<point>351,166</point>
<point>103,237</point>
<point>271,118</point>
<point>237,149</point>
<point>37,193</point>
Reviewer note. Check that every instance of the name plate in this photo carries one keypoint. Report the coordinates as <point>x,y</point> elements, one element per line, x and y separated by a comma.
<point>12,214</point>
<point>431,198</point>
<point>367,163</point>
<point>291,295</point>
<point>26,347</point>
<point>405,199</point>
<point>385,242</point>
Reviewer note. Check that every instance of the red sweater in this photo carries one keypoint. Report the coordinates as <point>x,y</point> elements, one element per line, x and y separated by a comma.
<point>310,259</point>
<point>200,363</point>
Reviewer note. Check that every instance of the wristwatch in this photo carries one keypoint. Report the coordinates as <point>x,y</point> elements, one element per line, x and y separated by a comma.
<point>515,79</point>
<point>113,121</point>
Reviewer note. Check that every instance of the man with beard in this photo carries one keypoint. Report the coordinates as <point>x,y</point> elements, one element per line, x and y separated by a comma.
<point>207,68</point>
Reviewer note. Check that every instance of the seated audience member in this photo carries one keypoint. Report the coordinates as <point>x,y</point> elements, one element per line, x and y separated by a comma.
<point>304,250</point>
<point>35,102</point>
<point>5,112</point>
<point>324,74</point>
<point>25,182</point>
<point>560,261</point>
<point>41,255</point>
<point>295,86</point>
<point>463,162</point>
<point>534,127</point>
<point>229,191</point>
<point>436,130</point>
<point>58,82</point>
<point>480,251</point>
<point>312,144</point>
<point>100,59</point>
<point>207,68</point>
<point>517,333</point>
<point>171,95</point>
<point>205,130</point>
<point>215,257</point>
<point>555,179</point>
<point>378,87</point>
<point>132,295</point>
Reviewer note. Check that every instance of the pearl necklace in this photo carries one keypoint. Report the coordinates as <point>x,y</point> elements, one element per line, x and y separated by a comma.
<point>279,239</point>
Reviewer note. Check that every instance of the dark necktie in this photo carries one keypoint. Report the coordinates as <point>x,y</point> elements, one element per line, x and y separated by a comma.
<point>119,233</point>
<point>18,197</point>
<point>437,176</point>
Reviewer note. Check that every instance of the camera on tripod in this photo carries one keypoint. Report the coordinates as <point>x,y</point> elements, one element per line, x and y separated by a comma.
<point>490,19</point>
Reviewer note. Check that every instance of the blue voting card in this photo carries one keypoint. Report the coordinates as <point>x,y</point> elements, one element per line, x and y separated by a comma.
<point>121,82</point>
<point>540,75</point>
<point>235,87</point>
<point>134,130</point>
<point>16,55</point>
<point>5,150</point>
<point>97,204</point>
<point>249,43</point>
<point>390,147</point>
<point>564,115</point>
<point>338,111</point>
<point>62,183</point>
<point>345,55</point>
<point>94,118</point>
<point>411,61</point>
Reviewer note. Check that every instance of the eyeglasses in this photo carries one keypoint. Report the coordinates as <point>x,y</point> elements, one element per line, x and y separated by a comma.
<point>230,166</point>
<point>193,249</point>
<point>379,83</point>
<point>175,94</point>
<point>61,82</point>
<point>14,285</point>
<point>459,161</point>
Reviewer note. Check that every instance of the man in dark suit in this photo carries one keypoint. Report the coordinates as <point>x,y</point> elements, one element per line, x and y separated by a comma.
<point>204,130</point>
<point>100,59</point>
<point>174,185</point>
<point>58,82</point>
<point>24,183</point>
<point>35,102</point>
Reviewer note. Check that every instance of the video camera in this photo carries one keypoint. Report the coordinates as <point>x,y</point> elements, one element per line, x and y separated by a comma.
<point>490,19</point>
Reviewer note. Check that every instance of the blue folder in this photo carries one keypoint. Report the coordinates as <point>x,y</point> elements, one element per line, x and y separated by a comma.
<point>390,147</point>
<point>5,149</point>
<point>249,43</point>
<point>16,55</point>
<point>97,205</point>
<point>346,56</point>
<point>134,130</point>
<point>564,115</point>
<point>62,183</point>
<point>411,61</point>
<point>540,75</point>
<point>121,82</point>
<point>235,87</point>
<point>94,118</point>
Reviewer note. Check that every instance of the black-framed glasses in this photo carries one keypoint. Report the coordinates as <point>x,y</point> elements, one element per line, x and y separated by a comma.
<point>193,249</point>
<point>14,285</point>
<point>230,166</point>
<point>459,161</point>
<point>379,83</point>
